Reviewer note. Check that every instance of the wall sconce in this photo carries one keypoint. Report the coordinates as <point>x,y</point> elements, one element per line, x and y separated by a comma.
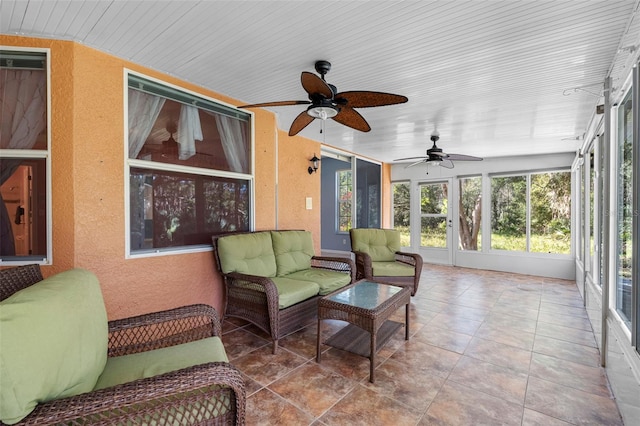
<point>315,161</point>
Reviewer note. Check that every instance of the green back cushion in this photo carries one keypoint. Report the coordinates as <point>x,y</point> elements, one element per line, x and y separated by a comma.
<point>380,244</point>
<point>293,250</point>
<point>247,254</point>
<point>53,340</point>
<point>127,368</point>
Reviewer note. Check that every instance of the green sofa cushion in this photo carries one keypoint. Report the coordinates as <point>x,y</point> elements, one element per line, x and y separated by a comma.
<point>380,244</point>
<point>247,254</point>
<point>127,368</point>
<point>292,291</point>
<point>293,251</point>
<point>392,269</point>
<point>328,281</point>
<point>53,337</point>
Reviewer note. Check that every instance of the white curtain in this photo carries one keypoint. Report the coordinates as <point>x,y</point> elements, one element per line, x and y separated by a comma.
<point>189,130</point>
<point>233,137</point>
<point>143,113</point>
<point>23,99</point>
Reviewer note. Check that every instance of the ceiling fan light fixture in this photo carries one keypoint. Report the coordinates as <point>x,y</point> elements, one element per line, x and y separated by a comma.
<point>322,112</point>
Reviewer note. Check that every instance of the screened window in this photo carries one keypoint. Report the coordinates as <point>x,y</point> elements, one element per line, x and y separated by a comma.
<point>190,165</point>
<point>24,158</point>
<point>470,230</point>
<point>402,211</point>
<point>532,212</point>
<point>433,214</point>
<point>344,191</point>
<point>625,210</point>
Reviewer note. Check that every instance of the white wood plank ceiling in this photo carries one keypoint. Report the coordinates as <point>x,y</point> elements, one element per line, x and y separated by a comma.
<point>495,78</point>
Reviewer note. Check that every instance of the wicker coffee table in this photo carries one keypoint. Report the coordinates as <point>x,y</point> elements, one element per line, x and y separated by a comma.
<point>366,306</point>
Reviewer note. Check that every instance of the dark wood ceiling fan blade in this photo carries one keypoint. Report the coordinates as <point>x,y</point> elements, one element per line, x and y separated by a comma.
<point>461,157</point>
<point>411,158</point>
<point>352,118</point>
<point>277,103</point>
<point>302,120</point>
<point>364,99</point>
<point>447,164</point>
<point>416,163</point>
<point>315,85</point>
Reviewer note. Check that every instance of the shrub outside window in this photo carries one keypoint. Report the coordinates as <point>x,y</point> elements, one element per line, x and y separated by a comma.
<point>190,168</point>
<point>25,213</point>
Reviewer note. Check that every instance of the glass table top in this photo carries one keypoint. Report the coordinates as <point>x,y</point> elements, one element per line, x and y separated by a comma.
<point>365,294</point>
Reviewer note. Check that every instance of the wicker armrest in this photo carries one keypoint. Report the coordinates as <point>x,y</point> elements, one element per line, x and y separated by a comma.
<point>412,259</point>
<point>363,265</point>
<point>162,329</point>
<point>339,264</point>
<point>210,393</point>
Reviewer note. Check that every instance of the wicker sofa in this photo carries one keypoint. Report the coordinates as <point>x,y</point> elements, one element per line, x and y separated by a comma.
<point>274,280</point>
<point>61,362</point>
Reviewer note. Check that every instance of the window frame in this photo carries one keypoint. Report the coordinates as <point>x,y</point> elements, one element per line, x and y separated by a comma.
<point>37,154</point>
<point>177,168</point>
<point>527,175</point>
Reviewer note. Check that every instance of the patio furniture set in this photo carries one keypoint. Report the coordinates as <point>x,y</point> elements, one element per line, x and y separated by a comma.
<point>170,367</point>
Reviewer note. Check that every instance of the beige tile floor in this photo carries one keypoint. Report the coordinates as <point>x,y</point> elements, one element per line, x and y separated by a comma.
<point>486,348</point>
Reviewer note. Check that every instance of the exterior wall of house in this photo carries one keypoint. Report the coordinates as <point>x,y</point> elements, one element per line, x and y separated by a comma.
<point>88,181</point>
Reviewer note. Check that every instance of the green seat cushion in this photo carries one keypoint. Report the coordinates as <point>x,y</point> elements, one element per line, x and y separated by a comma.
<point>392,269</point>
<point>291,291</point>
<point>293,250</point>
<point>247,254</point>
<point>328,281</point>
<point>380,244</point>
<point>127,368</point>
<point>53,341</point>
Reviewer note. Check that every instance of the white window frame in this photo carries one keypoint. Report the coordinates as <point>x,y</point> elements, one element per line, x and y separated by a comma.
<point>150,165</point>
<point>37,154</point>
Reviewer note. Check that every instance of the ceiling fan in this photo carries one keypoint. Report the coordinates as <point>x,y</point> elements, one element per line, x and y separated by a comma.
<point>325,102</point>
<point>437,157</point>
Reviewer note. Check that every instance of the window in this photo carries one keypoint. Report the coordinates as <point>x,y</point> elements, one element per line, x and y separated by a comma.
<point>345,197</point>
<point>190,168</point>
<point>24,158</point>
<point>624,267</point>
<point>532,212</point>
<point>402,211</point>
<point>433,214</point>
<point>470,213</point>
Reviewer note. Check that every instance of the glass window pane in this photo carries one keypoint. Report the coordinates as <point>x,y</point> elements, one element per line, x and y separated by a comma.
<point>470,213</point>
<point>177,209</point>
<point>433,232</point>
<point>433,198</point>
<point>550,199</point>
<point>625,210</point>
<point>23,206</point>
<point>166,131</point>
<point>509,213</point>
<point>368,200</point>
<point>345,198</point>
<point>402,212</point>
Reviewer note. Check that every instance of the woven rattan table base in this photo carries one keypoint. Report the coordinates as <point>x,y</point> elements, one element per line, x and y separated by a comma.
<point>358,341</point>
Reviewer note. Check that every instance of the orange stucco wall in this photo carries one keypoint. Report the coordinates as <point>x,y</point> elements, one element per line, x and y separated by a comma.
<point>88,165</point>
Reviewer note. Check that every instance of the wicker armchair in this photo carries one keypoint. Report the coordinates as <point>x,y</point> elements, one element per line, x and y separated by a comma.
<point>206,394</point>
<point>378,258</point>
